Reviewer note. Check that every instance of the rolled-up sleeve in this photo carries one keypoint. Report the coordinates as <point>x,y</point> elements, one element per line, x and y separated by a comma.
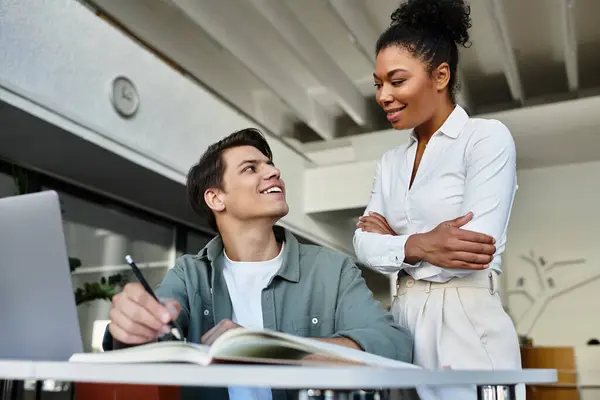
<point>361,318</point>
<point>491,185</point>
<point>384,253</point>
<point>172,287</point>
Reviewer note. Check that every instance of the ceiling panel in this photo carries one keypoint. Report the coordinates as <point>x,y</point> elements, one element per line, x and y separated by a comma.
<point>519,57</point>
<point>328,29</point>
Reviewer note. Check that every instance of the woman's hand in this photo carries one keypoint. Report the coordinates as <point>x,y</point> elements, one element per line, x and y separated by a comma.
<point>448,246</point>
<point>375,223</point>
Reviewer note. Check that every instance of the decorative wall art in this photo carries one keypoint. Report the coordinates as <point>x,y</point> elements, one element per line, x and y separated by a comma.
<point>545,286</point>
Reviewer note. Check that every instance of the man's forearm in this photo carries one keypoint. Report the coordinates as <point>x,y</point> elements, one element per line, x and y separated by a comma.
<point>341,341</point>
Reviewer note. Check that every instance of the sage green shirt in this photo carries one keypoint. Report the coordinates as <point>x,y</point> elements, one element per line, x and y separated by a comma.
<point>316,293</point>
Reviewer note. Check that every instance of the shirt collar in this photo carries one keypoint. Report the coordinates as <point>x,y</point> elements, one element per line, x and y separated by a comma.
<point>290,265</point>
<point>453,125</point>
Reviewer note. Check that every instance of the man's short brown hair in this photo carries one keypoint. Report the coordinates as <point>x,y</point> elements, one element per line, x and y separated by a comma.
<point>208,172</point>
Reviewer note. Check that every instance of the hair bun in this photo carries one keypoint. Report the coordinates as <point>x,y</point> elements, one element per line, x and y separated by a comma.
<point>448,18</point>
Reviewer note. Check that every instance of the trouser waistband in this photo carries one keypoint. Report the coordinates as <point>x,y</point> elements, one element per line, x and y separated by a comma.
<point>486,279</point>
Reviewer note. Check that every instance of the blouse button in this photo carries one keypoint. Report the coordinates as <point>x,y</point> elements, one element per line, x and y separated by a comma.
<point>315,321</point>
<point>206,312</point>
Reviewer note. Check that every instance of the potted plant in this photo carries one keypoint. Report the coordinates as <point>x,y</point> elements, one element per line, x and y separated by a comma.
<point>93,300</point>
<point>104,289</point>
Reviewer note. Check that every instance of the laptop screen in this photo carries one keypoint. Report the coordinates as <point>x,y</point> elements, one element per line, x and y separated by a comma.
<point>37,304</point>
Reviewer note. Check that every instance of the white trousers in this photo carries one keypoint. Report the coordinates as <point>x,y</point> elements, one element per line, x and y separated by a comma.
<point>459,324</point>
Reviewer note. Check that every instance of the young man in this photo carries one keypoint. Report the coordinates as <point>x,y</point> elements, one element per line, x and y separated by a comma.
<point>254,274</point>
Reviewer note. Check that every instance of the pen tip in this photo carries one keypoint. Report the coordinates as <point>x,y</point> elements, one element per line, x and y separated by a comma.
<point>128,259</point>
<point>175,332</point>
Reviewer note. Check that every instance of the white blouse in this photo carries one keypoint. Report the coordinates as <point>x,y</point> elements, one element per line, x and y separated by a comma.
<point>469,165</point>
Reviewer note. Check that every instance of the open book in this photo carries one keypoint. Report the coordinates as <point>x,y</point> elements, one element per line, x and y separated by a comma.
<point>242,345</point>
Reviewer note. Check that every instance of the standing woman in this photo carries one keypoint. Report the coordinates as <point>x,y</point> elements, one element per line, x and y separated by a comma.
<point>440,204</point>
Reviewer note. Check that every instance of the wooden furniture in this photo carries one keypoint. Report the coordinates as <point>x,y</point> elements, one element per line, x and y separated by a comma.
<point>117,391</point>
<point>560,358</point>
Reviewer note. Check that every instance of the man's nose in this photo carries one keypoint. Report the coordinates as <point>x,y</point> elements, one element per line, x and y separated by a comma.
<point>272,173</point>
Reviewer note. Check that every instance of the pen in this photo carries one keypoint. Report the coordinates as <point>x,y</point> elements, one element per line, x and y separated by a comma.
<point>175,329</point>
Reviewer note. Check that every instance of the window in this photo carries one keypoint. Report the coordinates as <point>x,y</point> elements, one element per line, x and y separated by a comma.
<point>97,239</point>
<point>196,242</point>
<point>101,237</point>
<point>7,186</point>
<point>99,233</point>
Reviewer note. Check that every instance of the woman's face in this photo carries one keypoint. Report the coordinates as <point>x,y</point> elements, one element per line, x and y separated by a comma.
<point>406,91</point>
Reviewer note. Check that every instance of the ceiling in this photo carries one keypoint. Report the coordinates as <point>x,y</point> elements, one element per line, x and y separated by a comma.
<point>303,69</point>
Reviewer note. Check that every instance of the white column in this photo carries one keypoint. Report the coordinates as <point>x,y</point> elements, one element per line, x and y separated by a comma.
<point>116,248</point>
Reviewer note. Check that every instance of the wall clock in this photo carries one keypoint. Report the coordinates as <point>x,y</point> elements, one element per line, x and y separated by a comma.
<point>124,97</point>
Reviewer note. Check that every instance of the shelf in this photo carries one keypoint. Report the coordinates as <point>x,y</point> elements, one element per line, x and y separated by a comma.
<point>119,268</point>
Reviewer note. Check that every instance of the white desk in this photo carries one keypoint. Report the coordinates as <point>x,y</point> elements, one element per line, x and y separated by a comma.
<point>277,377</point>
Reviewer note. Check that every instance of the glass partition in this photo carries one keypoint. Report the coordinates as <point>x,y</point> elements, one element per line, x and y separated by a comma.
<point>7,186</point>
<point>196,242</point>
<point>97,239</point>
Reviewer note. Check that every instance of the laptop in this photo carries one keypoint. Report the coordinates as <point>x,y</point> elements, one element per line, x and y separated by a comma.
<point>38,316</point>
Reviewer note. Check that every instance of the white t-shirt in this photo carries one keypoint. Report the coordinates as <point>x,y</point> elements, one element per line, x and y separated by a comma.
<point>245,282</point>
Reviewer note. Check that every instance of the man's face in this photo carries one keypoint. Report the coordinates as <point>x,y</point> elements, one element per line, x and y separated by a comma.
<point>252,186</point>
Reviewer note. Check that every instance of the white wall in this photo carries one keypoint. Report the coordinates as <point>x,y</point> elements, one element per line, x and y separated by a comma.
<point>556,216</point>
<point>339,187</point>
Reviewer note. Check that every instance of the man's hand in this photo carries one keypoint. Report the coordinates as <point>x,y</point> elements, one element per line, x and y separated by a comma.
<point>375,223</point>
<point>223,326</point>
<point>137,318</point>
<point>340,341</point>
<point>448,246</point>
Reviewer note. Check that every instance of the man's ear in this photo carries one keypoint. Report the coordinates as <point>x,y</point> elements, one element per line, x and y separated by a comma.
<point>442,76</point>
<point>214,199</point>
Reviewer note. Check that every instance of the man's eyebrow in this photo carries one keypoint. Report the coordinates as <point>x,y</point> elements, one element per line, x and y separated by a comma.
<point>255,162</point>
<point>248,162</point>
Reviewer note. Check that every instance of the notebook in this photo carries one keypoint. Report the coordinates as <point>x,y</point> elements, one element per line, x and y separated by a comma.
<point>242,345</point>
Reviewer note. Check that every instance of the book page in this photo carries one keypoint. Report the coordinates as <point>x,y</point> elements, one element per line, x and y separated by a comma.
<point>168,351</point>
<point>253,346</point>
<point>261,343</point>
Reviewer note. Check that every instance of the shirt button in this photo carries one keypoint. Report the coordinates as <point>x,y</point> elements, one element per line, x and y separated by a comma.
<point>206,312</point>
<point>315,321</point>
<point>410,282</point>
